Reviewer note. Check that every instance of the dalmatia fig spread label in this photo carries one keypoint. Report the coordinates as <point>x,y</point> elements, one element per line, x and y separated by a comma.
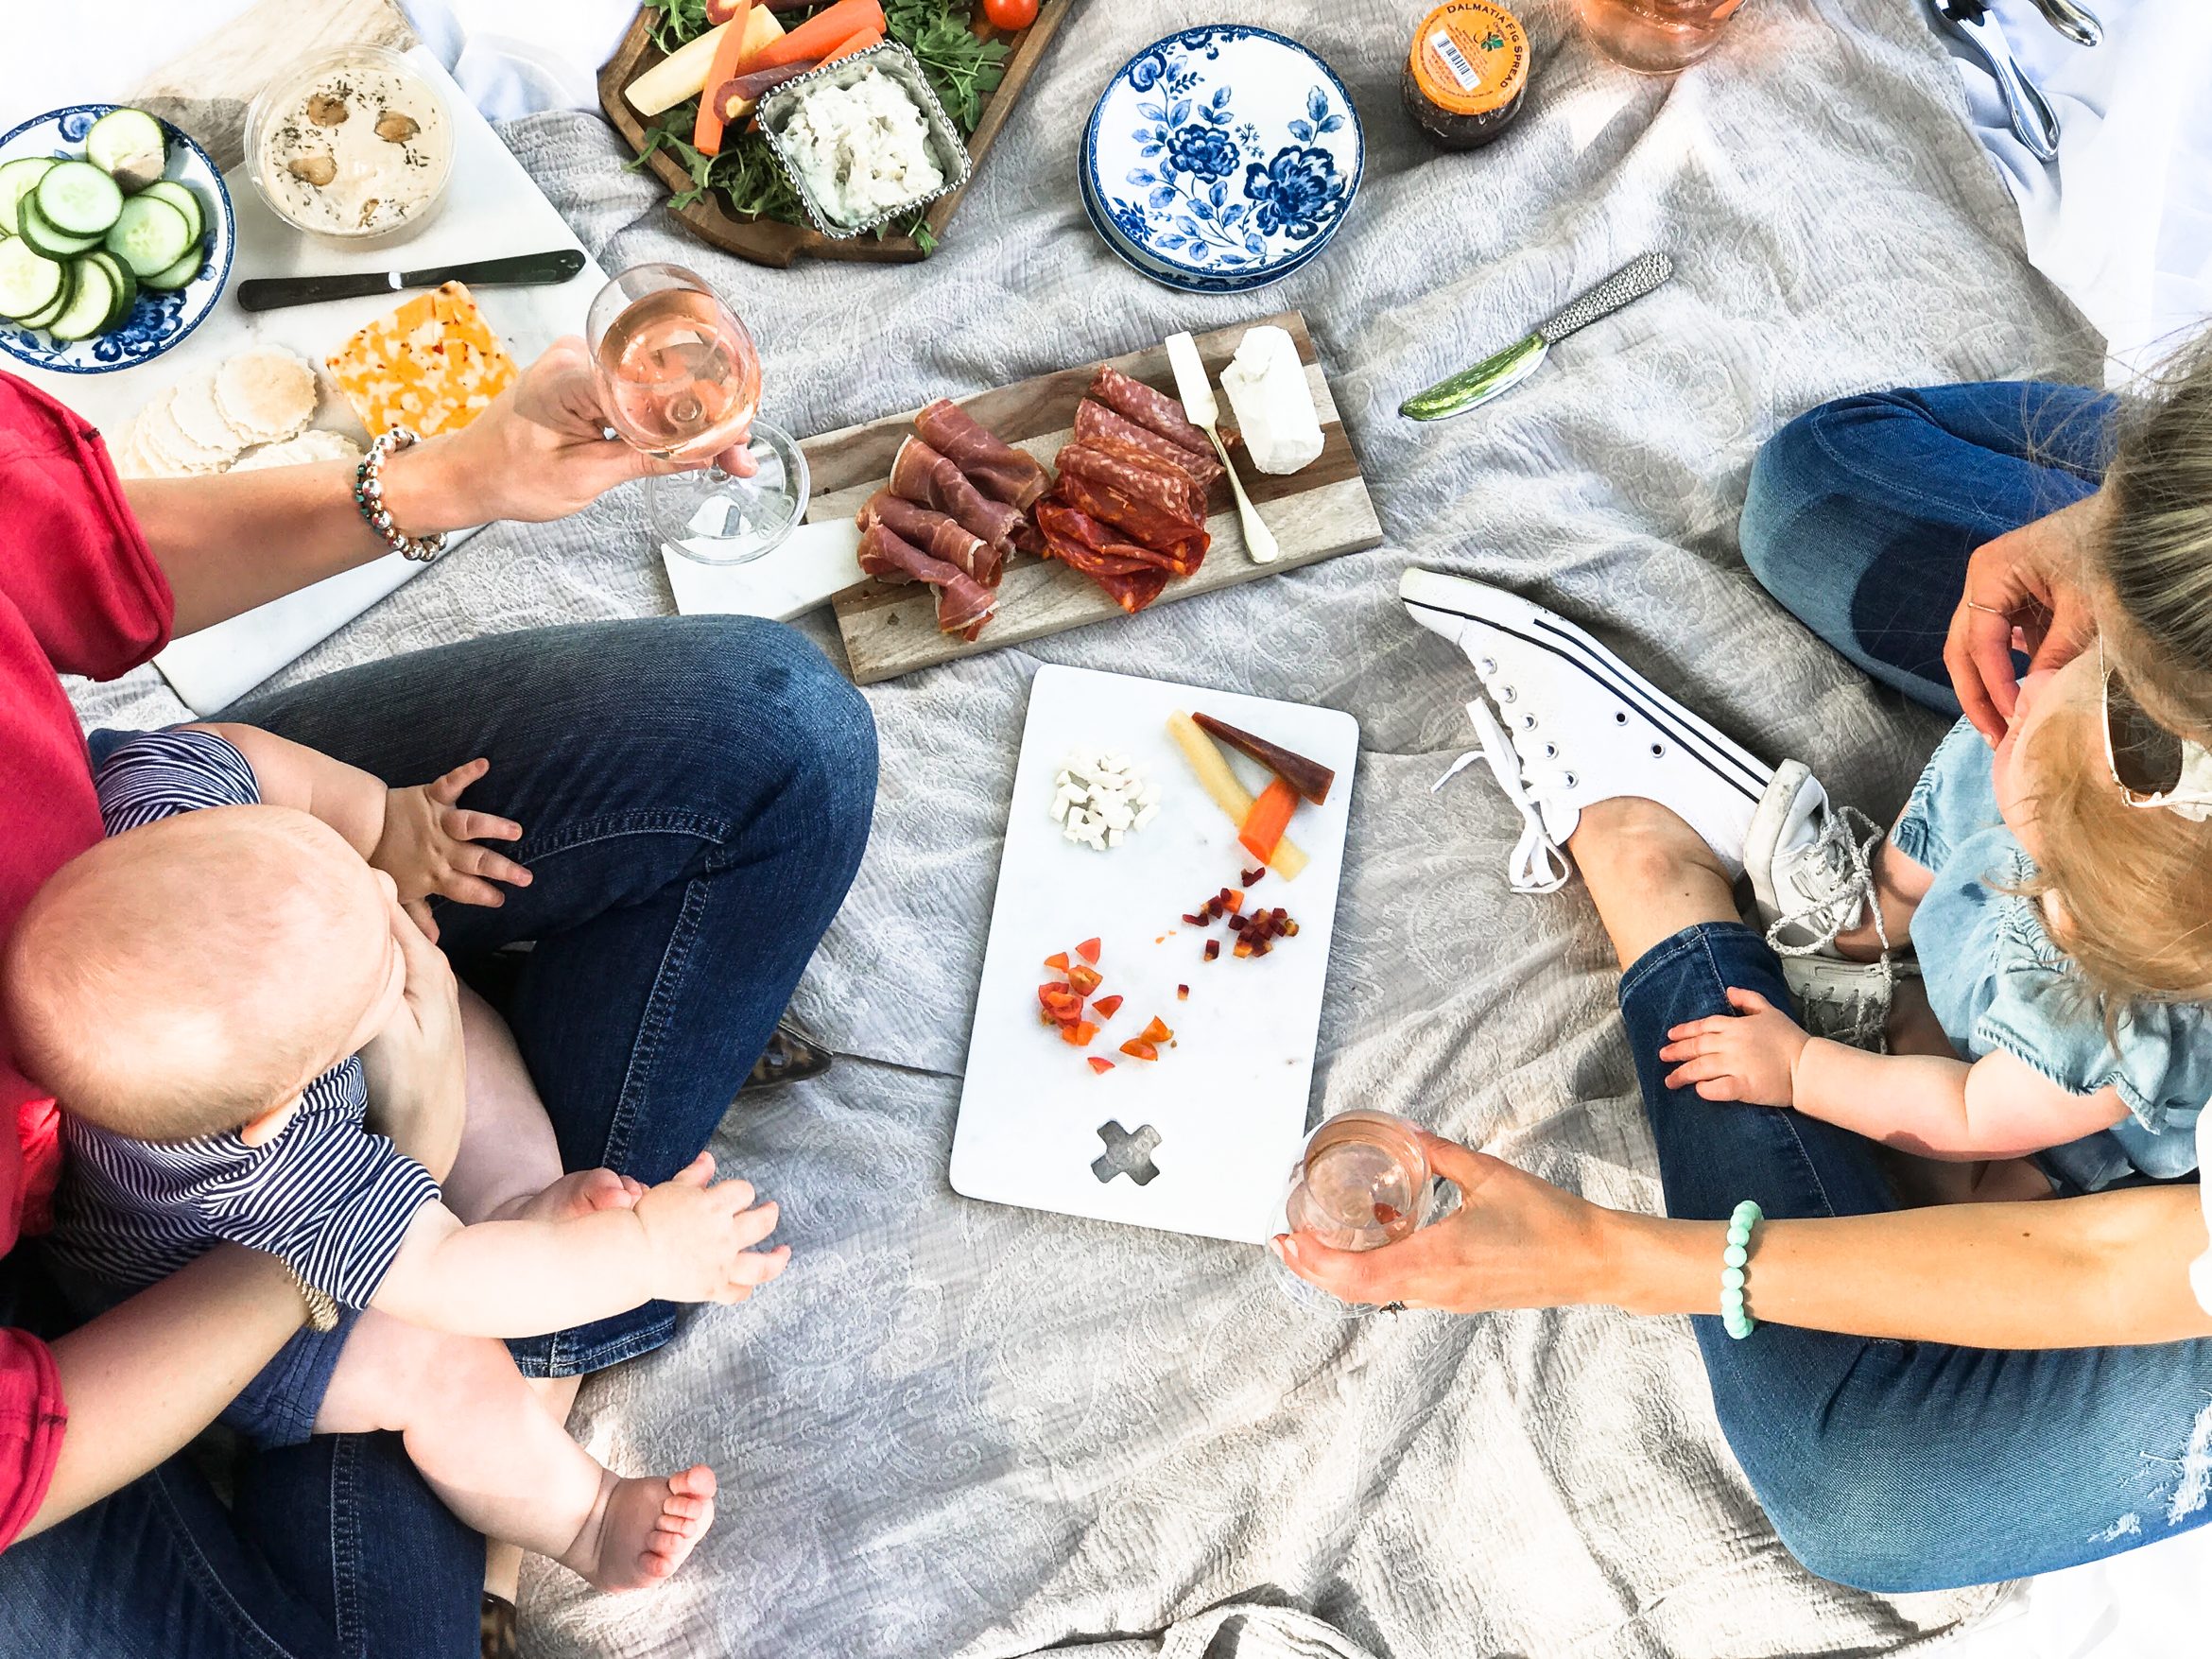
<point>1466,72</point>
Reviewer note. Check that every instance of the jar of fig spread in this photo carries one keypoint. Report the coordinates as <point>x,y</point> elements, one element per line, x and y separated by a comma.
<point>1466,72</point>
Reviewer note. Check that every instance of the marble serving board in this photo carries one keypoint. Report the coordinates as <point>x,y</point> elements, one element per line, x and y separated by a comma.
<point>1317,513</point>
<point>1201,1140</point>
<point>492,208</point>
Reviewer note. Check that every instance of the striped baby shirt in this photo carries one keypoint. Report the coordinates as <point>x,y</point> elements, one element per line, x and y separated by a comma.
<point>327,1196</point>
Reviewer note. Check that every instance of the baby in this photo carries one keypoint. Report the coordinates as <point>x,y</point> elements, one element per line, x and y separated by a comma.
<point>2056,905</point>
<point>196,990</point>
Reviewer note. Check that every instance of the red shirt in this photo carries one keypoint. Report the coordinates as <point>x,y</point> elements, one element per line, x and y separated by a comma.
<point>79,593</point>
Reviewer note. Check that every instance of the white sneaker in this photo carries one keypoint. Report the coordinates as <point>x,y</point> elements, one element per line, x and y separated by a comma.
<point>1573,725</point>
<point>1846,1002</point>
<point>1809,866</point>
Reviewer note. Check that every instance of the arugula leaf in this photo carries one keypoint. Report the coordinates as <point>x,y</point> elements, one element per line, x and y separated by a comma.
<point>962,69</point>
<point>679,21</point>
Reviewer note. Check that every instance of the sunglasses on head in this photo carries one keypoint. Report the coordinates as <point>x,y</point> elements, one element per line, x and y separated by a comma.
<point>2152,765</point>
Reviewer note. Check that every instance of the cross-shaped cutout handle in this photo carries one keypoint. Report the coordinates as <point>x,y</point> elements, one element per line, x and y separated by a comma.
<point>1127,1153</point>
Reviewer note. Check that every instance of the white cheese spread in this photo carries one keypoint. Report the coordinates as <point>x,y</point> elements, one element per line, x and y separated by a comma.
<point>861,150</point>
<point>1266,388</point>
<point>353,149</point>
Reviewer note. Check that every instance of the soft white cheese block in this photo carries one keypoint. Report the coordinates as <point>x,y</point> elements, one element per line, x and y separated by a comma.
<point>1274,410</point>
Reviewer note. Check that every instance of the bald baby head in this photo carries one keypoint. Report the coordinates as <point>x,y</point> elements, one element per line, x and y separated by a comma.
<point>187,977</point>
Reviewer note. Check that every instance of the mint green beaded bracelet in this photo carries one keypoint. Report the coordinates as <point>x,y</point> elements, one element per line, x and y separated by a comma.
<point>1734,1265</point>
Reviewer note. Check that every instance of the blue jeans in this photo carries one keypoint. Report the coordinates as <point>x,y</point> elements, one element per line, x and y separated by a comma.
<point>1889,1465</point>
<point>695,794</point>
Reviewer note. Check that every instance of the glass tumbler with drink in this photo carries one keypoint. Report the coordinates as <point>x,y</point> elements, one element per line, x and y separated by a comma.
<point>680,378</point>
<point>1655,37</point>
<point>1363,1182</point>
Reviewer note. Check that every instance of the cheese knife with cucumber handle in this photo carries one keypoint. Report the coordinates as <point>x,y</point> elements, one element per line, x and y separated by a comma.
<point>1503,371</point>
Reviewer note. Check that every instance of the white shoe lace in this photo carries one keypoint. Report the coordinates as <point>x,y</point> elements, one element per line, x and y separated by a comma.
<point>1538,864</point>
<point>1836,879</point>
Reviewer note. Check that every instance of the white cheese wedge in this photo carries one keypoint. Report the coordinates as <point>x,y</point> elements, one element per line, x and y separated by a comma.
<point>1266,388</point>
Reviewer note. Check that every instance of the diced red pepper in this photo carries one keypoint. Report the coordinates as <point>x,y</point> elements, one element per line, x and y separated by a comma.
<point>1252,876</point>
<point>1138,1048</point>
<point>1100,1066</point>
<point>1078,1032</point>
<point>1216,906</point>
<point>1106,1007</point>
<point>1085,981</point>
<point>1212,950</point>
<point>1182,993</point>
<point>1088,950</point>
<point>1157,1032</point>
<point>1057,960</point>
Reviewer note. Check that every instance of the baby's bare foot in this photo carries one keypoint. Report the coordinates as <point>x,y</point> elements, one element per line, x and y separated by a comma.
<point>644,1530</point>
<point>572,1196</point>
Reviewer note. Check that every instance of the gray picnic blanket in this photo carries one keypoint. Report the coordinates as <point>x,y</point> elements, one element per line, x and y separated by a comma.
<point>960,1429</point>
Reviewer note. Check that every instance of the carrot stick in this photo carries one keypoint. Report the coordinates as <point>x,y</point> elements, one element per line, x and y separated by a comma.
<point>861,40</point>
<point>822,32</point>
<point>706,132</point>
<point>1262,832</point>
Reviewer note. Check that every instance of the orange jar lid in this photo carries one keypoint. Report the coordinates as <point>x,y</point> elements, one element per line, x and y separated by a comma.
<point>1470,57</point>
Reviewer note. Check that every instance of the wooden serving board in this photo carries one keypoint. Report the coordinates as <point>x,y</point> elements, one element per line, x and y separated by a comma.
<point>771,241</point>
<point>1317,513</point>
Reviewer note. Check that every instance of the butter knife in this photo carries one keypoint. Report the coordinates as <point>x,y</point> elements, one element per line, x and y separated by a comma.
<point>1503,371</point>
<point>1195,389</point>
<point>271,293</point>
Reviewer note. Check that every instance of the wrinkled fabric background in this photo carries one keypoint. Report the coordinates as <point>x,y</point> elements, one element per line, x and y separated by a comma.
<point>958,1429</point>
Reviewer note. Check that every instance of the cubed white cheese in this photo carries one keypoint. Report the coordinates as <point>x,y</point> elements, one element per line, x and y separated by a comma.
<point>1274,410</point>
<point>1145,817</point>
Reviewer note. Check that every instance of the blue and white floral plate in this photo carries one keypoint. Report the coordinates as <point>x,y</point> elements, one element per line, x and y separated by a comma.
<point>1222,159</point>
<point>158,322</point>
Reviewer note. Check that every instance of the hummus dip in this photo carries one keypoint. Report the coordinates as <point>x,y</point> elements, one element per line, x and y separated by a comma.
<point>356,145</point>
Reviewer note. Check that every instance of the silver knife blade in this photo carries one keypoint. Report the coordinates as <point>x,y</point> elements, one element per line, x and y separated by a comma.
<point>1502,371</point>
<point>271,293</point>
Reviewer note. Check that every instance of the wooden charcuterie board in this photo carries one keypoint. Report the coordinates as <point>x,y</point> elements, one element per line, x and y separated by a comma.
<point>1316,513</point>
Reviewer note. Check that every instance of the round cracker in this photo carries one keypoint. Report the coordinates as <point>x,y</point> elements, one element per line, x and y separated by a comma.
<point>266,395</point>
<point>193,407</point>
<point>314,444</point>
<point>162,441</point>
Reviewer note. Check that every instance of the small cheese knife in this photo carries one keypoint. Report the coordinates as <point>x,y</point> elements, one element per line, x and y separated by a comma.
<point>1505,370</point>
<point>1195,389</point>
<point>271,293</point>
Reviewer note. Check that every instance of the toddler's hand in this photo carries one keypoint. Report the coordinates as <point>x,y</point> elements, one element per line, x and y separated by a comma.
<point>1750,1055</point>
<point>701,1231</point>
<point>430,845</point>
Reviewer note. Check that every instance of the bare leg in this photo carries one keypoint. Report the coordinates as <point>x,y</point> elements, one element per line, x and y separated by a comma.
<point>500,1461</point>
<point>1649,874</point>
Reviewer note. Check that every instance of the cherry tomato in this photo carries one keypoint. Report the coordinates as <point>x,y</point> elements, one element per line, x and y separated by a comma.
<point>1010,14</point>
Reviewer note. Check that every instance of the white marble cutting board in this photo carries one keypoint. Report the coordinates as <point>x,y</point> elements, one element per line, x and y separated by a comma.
<point>1228,1101</point>
<point>493,209</point>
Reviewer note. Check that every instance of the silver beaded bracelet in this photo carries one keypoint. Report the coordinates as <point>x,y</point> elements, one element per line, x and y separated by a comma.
<point>368,497</point>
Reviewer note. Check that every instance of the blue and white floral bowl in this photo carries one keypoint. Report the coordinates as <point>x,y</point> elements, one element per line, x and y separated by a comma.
<point>1222,159</point>
<point>158,321</point>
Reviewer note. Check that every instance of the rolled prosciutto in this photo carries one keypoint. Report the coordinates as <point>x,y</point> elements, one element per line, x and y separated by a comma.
<point>993,465</point>
<point>1094,421</point>
<point>964,604</point>
<point>924,477</point>
<point>1168,540</point>
<point>935,534</point>
<point>1138,402</point>
<point>1138,474</point>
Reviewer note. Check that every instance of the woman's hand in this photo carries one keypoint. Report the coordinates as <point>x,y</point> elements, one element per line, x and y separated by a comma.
<point>1750,1055</point>
<point>416,1077</point>
<point>540,451</point>
<point>2026,588</point>
<point>430,844</point>
<point>1515,1241</point>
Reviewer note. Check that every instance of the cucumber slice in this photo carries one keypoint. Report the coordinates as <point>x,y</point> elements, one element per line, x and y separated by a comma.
<point>184,199</point>
<point>35,229</point>
<point>87,312</point>
<point>130,145</point>
<point>126,285</point>
<point>176,276</point>
<point>29,282</point>
<point>150,237</point>
<point>17,177</point>
<point>79,199</point>
<point>60,301</point>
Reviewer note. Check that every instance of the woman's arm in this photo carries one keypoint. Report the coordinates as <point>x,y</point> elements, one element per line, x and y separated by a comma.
<point>149,1373</point>
<point>2104,1270</point>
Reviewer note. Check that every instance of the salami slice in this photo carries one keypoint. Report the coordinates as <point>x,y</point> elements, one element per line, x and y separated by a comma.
<point>933,533</point>
<point>1147,407</point>
<point>993,466</point>
<point>964,604</point>
<point>1095,421</point>
<point>924,477</point>
<point>1131,581</point>
<point>1137,474</point>
<point>1164,539</point>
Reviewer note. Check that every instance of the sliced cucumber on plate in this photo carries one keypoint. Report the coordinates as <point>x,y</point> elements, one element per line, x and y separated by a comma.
<point>186,201</point>
<point>29,282</point>
<point>16,181</point>
<point>48,237</point>
<point>150,237</point>
<point>90,305</point>
<point>77,200</point>
<point>129,146</point>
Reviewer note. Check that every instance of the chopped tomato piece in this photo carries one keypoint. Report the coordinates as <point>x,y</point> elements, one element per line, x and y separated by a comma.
<point>1138,1048</point>
<point>1085,981</point>
<point>1182,993</point>
<point>1157,1032</point>
<point>1100,1066</point>
<point>1235,902</point>
<point>1078,1032</point>
<point>1088,950</point>
<point>1106,1007</point>
<point>1061,1003</point>
<point>1057,960</point>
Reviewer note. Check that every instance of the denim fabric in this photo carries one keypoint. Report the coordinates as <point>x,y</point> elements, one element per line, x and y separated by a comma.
<point>695,793</point>
<point>1888,1465</point>
<point>1998,985</point>
<point>1862,512</point>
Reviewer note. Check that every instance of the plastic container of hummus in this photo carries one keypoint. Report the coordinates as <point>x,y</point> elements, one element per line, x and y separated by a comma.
<point>1466,73</point>
<point>356,146</point>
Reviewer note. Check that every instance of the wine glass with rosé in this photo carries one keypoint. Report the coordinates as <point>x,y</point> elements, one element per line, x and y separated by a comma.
<point>680,378</point>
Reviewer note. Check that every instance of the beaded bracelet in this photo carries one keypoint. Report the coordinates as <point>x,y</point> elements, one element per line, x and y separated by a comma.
<point>1735,1266</point>
<point>368,497</point>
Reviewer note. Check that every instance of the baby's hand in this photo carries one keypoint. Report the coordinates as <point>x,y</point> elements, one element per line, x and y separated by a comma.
<point>1750,1055</point>
<point>429,845</point>
<point>701,1233</point>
